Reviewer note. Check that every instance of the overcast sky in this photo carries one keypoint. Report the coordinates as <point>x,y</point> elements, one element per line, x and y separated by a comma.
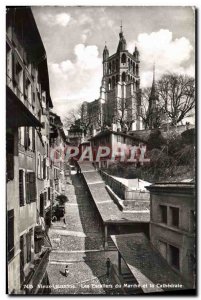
<point>74,38</point>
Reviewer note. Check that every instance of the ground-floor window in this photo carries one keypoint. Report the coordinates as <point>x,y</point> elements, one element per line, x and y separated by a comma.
<point>174,257</point>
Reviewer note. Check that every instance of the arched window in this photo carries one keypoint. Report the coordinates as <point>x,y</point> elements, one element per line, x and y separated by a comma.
<point>134,68</point>
<point>109,84</point>
<point>110,67</point>
<point>117,79</point>
<point>123,58</point>
<point>128,77</point>
<point>137,70</point>
<point>117,64</point>
<point>113,81</point>
<point>113,66</point>
<point>129,65</point>
<point>123,77</point>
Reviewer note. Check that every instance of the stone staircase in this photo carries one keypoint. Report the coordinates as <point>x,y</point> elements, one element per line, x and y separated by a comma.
<point>130,280</point>
<point>111,245</point>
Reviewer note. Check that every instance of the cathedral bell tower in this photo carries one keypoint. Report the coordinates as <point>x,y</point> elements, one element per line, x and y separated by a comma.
<point>121,84</point>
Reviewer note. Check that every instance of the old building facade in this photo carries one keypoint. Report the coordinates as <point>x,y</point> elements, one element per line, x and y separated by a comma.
<point>172,226</point>
<point>57,156</point>
<point>28,102</point>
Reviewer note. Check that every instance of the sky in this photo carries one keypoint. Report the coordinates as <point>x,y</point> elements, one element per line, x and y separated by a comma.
<point>74,38</point>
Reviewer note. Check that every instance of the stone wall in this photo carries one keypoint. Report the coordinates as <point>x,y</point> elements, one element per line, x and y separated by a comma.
<point>144,134</point>
<point>132,199</point>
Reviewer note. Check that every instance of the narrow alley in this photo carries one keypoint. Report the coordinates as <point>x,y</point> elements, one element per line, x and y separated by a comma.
<point>80,246</point>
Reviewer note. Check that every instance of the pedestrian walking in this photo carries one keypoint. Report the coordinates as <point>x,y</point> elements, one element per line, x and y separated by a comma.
<point>66,271</point>
<point>108,267</point>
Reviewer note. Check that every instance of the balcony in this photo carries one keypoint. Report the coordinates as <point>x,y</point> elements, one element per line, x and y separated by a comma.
<point>19,111</point>
<point>38,271</point>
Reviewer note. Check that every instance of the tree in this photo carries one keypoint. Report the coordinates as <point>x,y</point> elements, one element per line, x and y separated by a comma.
<point>72,116</point>
<point>177,96</point>
<point>74,119</point>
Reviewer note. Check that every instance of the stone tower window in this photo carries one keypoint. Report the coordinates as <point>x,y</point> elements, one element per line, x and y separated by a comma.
<point>123,77</point>
<point>137,70</point>
<point>123,58</point>
<point>129,64</point>
<point>117,78</point>
<point>113,81</point>
<point>109,67</point>
<point>113,66</point>
<point>109,85</point>
<point>117,64</point>
<point>134,68</point>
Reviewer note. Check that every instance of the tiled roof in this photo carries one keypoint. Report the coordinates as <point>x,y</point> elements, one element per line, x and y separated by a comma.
<point>147,265</point>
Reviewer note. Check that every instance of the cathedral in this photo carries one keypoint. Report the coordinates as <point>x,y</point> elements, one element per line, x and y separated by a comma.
<point>120,94</point>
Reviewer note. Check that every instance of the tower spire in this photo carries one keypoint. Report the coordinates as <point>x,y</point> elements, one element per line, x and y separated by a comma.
<point>121,27</point>
<point>154,70</point>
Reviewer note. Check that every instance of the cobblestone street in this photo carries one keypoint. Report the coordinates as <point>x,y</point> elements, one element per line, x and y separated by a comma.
<point>80,245</point>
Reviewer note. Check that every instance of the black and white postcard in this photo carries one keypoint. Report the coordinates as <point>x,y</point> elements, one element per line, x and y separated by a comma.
<point>101,150</point>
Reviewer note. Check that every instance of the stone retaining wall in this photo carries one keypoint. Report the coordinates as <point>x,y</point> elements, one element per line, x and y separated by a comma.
<point>131,199</point>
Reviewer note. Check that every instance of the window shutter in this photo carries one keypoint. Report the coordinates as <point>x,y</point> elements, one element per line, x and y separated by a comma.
<point>32,186</point>
<point>10,233</point>
<point>27,188</point>
<point>28,242</point>
<point>24,247</point>
<point>39,161</point>
<point>25,137</point>
<point>44,168</point>
<point>49,195</point>
<point>21,187</point>
<point>25,85</point>
<point>15,79</point>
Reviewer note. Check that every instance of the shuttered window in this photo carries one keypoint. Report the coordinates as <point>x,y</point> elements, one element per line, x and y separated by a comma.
<point>45,198</point>
<point>44,168</point>
<point>28,244</point>
<point>49,194</point>
<point>26,138</point>
<point>10,233</point>
<point>21,187</point>
<point>22,259</point>
<point>32,186</point>
<point>39,166</point>
<point>14,63</point>
<point>25,85</point>
<point>27,188</point>
<point>33,139</point>
<point>10,156</point>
